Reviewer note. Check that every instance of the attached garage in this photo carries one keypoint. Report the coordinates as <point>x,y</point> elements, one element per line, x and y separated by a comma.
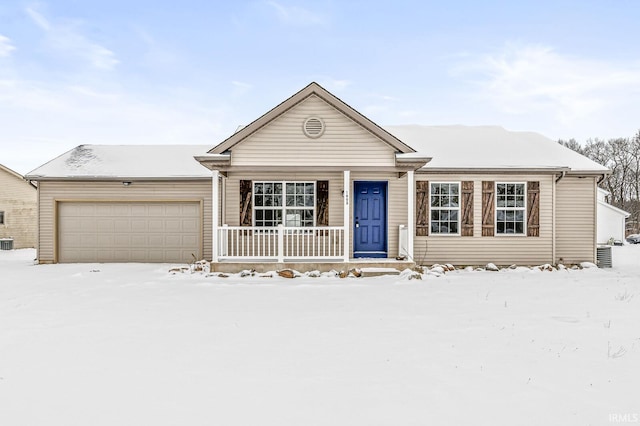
<point>119,231</point>
<point>125,203</point>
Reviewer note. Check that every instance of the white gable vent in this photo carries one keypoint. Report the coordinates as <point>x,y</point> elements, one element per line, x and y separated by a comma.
<point>313,127</point>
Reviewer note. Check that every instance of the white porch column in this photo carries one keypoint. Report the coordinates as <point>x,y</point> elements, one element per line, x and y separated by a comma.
<point>411,194</point>
<point>346,206</point>
<point>215,177</point>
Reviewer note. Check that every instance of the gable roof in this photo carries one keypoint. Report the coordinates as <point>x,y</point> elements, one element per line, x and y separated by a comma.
<point>312,89</point>
<point>125,161</point>
<point>491,148</point>
<point>16,175</point>
<point>11,172</point>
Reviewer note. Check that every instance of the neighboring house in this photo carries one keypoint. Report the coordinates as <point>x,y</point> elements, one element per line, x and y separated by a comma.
<point>611,220</point>
<point>315,181</point>
<point>18,209</point>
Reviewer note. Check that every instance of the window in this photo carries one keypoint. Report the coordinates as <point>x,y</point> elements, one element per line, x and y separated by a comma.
<point>289,203</point>
<point>445,208</point>
<point>510,208</point>
<point>1,218</point>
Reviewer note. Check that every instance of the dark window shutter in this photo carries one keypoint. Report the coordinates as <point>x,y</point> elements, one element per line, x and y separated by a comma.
<point>467,208</point>
<point>422,208</point>
<point>533,209</point>
<point>488,208</point>
<point>246,207</point>
<point>322,203</point>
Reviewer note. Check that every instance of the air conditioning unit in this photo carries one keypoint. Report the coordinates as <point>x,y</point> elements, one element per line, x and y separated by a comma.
<point>6,243</point>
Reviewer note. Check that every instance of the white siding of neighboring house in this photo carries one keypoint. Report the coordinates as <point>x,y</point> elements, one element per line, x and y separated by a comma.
<point>282,141</point>
<point>49,191</point>
<point>501,250</point>
<point>611,223</point>
<point>18,201</point>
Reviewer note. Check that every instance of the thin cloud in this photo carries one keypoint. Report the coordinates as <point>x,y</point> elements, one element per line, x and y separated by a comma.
<point>74,115</point>
<point>68,39</point>
<point>6,47</point>
<point>532,78</point>
<point>294,15</point>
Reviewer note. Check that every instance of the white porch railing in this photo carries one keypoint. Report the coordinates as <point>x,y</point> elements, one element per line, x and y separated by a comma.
<point>280,243</point>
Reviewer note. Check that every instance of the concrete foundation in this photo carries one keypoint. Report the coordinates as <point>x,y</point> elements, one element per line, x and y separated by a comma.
<point>235,267</point>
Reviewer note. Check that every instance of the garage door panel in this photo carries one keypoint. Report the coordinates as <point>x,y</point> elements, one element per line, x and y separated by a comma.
<point>138,210</point>
<point>106,240</point>
<point>190,225</point>
<point>139,225</point>
<point>129,232</point>
<point>173,225</point>
<point>155,225</point>
<point>105,225</point>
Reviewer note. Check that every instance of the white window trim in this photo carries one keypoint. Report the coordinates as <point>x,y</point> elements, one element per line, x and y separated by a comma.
<point>524,210</point>
<point>459,208</point>
<point>284,207</point>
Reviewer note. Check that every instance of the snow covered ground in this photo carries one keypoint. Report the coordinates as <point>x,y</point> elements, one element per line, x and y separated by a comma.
<point>134,345</point>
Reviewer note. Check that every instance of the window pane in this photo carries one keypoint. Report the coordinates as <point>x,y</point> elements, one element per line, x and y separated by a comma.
<point>258,188</point>
<point>308,189</point>
<point>291,200</point>
<point>308,200</point>
<point>291,188</point>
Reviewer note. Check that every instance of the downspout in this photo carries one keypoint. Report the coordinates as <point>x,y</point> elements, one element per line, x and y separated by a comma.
<point>555,207</point>
<point>553,220</point>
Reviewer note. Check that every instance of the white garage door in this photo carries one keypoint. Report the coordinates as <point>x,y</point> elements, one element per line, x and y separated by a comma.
<point>129,231</point>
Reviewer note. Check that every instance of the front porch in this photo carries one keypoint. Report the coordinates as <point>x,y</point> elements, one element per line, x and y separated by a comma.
<point>322,248</point>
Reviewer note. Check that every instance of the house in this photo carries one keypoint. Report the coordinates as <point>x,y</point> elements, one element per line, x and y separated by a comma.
<point>18,210</point>
<point>611,220</point>
<point>315,181</point>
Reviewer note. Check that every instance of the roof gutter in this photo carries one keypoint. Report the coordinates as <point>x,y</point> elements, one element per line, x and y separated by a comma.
<point>562,174</point>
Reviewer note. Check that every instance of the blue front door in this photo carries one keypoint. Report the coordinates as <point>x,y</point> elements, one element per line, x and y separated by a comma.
<point>370,219</point>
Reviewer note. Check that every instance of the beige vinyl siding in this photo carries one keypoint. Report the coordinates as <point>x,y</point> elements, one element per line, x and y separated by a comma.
<point>18,201</point>
<point>397,201</point>
<point>576,220</point>
<point>501,250</point>
<point>50,191</point>
<point>282,142</point>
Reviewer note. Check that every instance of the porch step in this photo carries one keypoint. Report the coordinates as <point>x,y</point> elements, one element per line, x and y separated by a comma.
<point>377,272</point>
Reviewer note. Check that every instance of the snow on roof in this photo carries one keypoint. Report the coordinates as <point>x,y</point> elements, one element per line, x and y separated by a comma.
<point>125,161</point>
<point>471,147</point>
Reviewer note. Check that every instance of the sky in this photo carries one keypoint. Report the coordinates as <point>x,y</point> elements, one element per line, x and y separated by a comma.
<point>163,72</point>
